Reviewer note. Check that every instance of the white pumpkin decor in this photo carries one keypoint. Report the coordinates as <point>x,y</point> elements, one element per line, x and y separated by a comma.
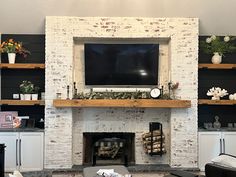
<point>232,96</point>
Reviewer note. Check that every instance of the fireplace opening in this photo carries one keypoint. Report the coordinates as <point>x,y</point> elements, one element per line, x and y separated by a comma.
<point>108,149</point>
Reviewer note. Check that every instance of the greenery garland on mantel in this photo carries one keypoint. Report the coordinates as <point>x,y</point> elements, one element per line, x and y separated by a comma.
<point>117,95</point>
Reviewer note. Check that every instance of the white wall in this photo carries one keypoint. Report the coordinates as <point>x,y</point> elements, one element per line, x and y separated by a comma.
<point>27,16</point>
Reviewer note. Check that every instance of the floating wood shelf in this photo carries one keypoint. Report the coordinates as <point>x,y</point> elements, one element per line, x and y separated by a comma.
<point>216,102</point>
<point>216,66</point>
<point>22,66</point>
<point>22,102</point>
<point>137,103</point>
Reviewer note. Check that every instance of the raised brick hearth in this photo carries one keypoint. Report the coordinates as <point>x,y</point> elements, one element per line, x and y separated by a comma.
<point>64,127</point>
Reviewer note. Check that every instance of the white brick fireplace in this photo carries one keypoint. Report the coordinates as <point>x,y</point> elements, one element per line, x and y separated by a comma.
<point>64,127</point>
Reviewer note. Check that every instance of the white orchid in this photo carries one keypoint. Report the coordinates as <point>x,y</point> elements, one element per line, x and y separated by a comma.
<point>213,37</point>
<point>226,38</point>
<point>216,93</point>
<point>208,40</point>
<point>219,44</point>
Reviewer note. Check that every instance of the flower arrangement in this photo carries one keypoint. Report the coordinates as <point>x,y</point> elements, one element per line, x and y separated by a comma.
<point>11,46</point>
<point>216,44</point>
<point>216,93</point>
<point>174,86</point>
<point>36,90</point>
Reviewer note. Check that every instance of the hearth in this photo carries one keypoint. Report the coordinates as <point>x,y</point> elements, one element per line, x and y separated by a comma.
<point>108,148</point>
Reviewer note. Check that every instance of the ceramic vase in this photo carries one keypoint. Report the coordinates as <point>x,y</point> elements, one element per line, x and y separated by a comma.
<point>11,58</point>
<point>216,58</point>
<point>217,124</point>
<point>34,96</point>
<point>27,96</point>
<point>22,96</point>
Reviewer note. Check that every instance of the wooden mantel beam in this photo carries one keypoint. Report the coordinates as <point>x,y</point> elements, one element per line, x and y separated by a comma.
<point>136,103</point>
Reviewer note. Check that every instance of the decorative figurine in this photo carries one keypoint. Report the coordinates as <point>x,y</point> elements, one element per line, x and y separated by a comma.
<point>217,124</point>
<point>217,93</point>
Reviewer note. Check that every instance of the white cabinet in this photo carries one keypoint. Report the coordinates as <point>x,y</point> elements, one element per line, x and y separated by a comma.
<point>24,150</point>
<point>211,144</point>
<point>229,142</point>
<point>10,140</point>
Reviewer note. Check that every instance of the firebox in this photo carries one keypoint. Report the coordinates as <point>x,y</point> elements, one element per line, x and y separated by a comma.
<point>108,148</point>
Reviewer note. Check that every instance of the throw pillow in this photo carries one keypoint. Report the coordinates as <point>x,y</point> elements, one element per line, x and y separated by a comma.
<point>225,160</point>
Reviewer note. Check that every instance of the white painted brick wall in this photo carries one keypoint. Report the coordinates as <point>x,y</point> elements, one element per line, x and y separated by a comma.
<point>63,128</point>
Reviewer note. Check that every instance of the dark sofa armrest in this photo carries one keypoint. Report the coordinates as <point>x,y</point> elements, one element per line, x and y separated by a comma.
<point>213,170</point>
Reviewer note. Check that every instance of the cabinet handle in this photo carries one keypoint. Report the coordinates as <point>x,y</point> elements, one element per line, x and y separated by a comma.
<point>20,152</point>
<point>220,146</point>
<point>16,152</point>
<point>224,145</point>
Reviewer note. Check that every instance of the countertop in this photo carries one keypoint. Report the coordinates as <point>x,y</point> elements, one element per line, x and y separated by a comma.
<point>223,129</point>
<point>21,130</point>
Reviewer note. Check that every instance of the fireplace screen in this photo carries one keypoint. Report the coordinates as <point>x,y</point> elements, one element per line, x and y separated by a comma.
<point>108,148</point>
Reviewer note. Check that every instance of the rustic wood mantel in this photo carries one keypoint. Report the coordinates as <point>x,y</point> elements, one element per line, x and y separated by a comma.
<point>136,103</point>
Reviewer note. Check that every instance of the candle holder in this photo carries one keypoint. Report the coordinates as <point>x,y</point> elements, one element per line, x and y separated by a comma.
<point>162,91</point>
<point>169,90</point>
<point>68,92</point>
<point>75,94</point>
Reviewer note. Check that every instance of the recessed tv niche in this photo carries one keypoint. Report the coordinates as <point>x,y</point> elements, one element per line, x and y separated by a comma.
<point>121,64</point>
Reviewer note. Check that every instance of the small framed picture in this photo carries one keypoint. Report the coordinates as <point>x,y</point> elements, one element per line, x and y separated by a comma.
<point>6,118</point>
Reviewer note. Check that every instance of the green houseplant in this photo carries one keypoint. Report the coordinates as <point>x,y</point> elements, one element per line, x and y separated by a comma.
<point>35,93</point>
<point>218,46</point>
<point>26,89</point>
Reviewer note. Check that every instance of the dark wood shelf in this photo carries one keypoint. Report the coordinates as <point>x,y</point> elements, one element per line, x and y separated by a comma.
<point>22,66</point>
<point>22,102</point>
<point>216,66</point>
<point>137,103</point>
<point>216,102</point>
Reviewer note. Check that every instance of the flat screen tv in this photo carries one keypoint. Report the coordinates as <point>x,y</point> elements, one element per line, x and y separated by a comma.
<point>121,64</point>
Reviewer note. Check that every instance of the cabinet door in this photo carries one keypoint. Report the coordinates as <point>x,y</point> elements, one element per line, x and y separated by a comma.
<point>10,139</point>
<point>209,147</point>
<point>31,151</point>
<point>229,141</point>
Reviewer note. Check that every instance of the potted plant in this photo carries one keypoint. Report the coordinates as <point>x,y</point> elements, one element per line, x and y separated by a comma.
<point>218,46</point>
<point>26,89</point>
<point>35,93</point>
<point>12,48</point>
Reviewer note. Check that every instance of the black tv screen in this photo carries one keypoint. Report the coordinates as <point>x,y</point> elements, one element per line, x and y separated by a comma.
<point>121,64</point>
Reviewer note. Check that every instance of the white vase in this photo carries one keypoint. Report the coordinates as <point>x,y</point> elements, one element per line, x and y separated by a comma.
<point>231,97</point>
<point>22,96</point>
<point>11,58</point>
<point>27,96</point>
<point>216,58</point>
<point>34,96</point>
